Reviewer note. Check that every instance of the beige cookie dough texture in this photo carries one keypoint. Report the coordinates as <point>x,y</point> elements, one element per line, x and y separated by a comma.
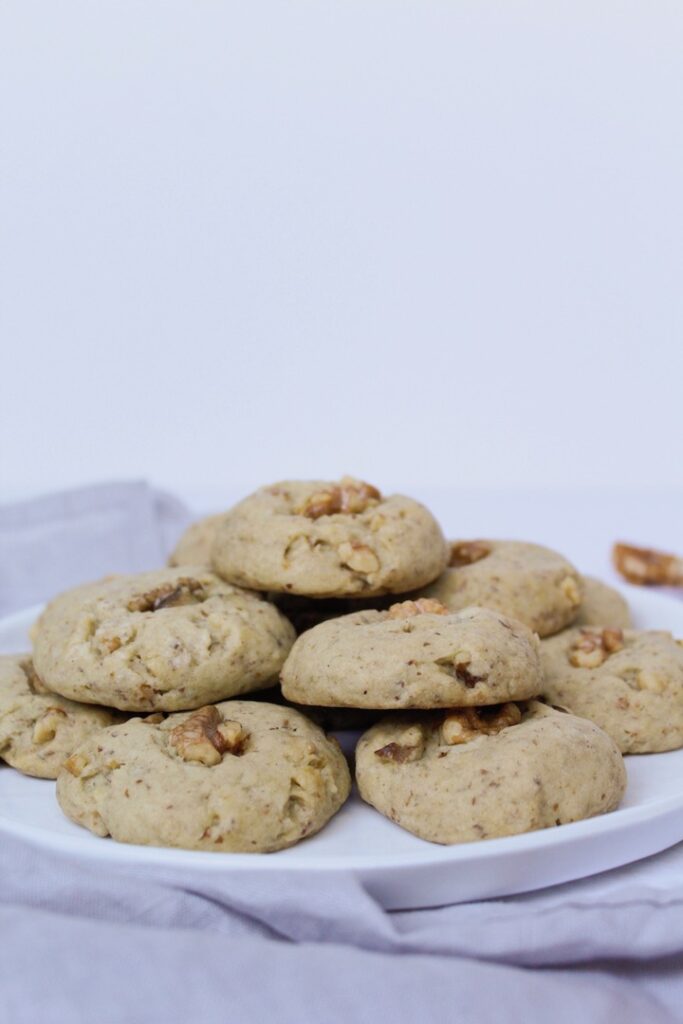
<point>371,660</point>
<point>528,582</point>
<point>550,769</point>
<point>142,782</point>
<point>633,691</point>
<point>194,547</point>
<point>268,542</point>
<point>160,641</point>
<point>39,729</point>
<point>602,605</point>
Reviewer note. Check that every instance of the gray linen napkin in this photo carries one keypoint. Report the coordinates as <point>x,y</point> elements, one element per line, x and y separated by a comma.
<point>59,540</point>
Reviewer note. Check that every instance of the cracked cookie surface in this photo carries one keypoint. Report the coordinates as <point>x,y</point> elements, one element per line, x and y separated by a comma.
<point>166,640</point>
<point>382,659</point>
<point>239,776</point>
<point>39,729</point>
<point>541,767</point>
<point>324,539</point>
<point>629,682</point>
<point>529,582</point>
<point>602,605</point>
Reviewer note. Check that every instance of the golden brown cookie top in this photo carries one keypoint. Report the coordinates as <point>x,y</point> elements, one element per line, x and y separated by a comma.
<point>165,640</point>
<point>329,539</point>
<point>235,776</point>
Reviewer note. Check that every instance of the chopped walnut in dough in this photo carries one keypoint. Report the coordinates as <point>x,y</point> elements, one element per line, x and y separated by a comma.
<point>465,724</point>
<point>652,681</point>
<point>571,591</point>
<point>423,606</point>
<point>592,648</point>
<point>171,595</point>
<point>410,747</point>
<point>358,557</point>
<point>205,737</point>
<point>76,765</point>
<point>46,726</point>
<point>348,496</point>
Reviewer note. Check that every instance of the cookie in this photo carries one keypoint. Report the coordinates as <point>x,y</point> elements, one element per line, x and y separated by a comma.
<point>629,682</point>
<point>415,655</point>
<point>38,729</point>
<point>602,605</point>
<point>480,773</point>
<point>530,583</point>
<point>233,777</point>
<point>168,640</point>
<point>324,539</point>
<point>194,547</point>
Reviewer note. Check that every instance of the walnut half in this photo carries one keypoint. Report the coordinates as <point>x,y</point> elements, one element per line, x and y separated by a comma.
<point>205,737</point>
<point>592,648</point>
<point>465,724</point>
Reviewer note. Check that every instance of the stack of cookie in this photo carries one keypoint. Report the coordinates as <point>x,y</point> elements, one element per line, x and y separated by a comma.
<point>476,755</point>
<point>464,750</point>
<point>464,657</point>
<point>217,773</point>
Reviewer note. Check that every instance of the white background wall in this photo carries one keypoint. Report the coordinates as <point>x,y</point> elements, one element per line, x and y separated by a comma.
<point>428,243</point>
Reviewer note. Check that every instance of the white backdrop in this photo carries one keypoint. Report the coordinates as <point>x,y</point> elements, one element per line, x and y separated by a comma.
<point>432,244</point>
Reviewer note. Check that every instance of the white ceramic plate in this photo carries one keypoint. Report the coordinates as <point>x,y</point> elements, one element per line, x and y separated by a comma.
<point>396,867</point>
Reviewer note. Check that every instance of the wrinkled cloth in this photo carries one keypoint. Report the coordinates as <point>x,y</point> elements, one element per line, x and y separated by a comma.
<point>60,540</point>
<point>151,945</point>
<point>122,943</point>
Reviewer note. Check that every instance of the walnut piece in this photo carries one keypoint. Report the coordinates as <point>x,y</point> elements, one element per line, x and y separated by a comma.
<point>652,681</point>
<point>358,557</point>
<point>571,591</point>
<point>348,496</point>
<point>423,606</point>
<point>46,726</point>
<point>112,643</point>
<point>645,566</point>
<point>205,737</point>
<point>76,764</point>
<point>410,747</point>
<point>168,595</point>
<point>466,552</point>
<point>465,724</point>
<point>592,648</point>
<point>458,666</point>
